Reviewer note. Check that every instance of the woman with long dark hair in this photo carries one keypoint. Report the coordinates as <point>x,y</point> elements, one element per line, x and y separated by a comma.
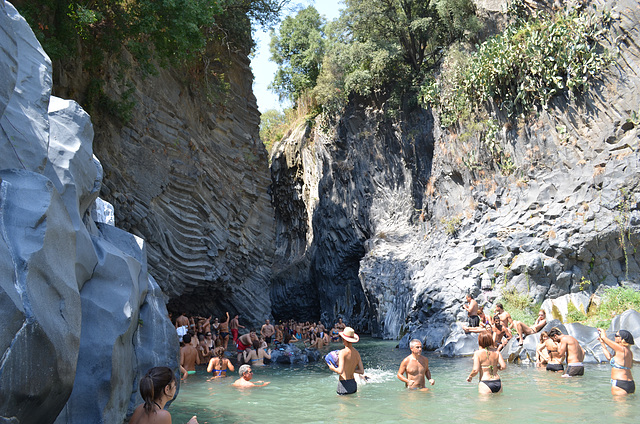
<point>157,387</point>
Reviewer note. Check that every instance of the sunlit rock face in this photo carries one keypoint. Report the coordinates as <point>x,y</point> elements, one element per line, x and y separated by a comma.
<point>565,220</point>
<point>82,316</point>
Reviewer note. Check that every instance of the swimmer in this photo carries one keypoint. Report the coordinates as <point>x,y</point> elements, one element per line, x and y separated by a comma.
<point>246,374</point>
<point>157,387</point>
<point>189,355</point>
<point>218,365</point>
<point>524,330</point>
<point>349,363</point>
<point>487,363</point>
<point>621,361</point>
<point>416,368</point>
<point>256,355</point>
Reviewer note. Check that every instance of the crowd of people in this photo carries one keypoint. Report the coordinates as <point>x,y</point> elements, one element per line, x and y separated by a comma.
<point>553,351</point>
<point>203,341</point>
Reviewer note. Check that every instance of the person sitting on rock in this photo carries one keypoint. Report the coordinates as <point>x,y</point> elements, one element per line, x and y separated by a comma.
<point>244,342</point>
<point>246,374</point>
<point>505,318</point>
<point>485,323</point>
<point>524,330</point>
<point>500,335</point>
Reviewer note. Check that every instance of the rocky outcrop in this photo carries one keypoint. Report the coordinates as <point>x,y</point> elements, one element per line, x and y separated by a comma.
<point>563,216</point>
<point>334,191</point>
<point>189,174</point>
<point>82,313</point>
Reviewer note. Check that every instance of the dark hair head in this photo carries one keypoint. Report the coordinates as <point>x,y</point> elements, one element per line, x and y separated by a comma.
<point>499,305</point>
<point>626,336</point>
<point>152,385</point>
<point>256,344</point>
<point>186,338</point>
<point>219,352</point>
<point>484,339</point>
<point>555,331</point>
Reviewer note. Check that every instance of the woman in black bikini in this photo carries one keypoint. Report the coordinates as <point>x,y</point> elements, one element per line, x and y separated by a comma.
<point>219,365</point>
<point>621,361</point>
<point>157,387</point>
<point>487,363</point>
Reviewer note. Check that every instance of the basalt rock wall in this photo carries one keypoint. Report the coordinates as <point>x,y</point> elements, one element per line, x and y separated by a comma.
<point>82,317</point>
<point>335,188</point>
<point>189,175</point>
<point>396,204</point>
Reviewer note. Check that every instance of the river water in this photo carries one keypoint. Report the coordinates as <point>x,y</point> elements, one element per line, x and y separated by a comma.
<point>306,394</point>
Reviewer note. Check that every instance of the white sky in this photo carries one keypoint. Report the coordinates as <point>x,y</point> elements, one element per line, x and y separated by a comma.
<point>264,69</point>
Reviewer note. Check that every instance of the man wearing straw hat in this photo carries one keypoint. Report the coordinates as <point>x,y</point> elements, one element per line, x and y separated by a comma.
<point>349,363</point>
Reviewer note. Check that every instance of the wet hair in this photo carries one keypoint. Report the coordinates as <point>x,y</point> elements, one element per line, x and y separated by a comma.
<point>256,344</point>
<point>545,334</point>
<point>186,338</point>
<point>555,331</point>
<point>152,385</point>
<point>219,352</point>
<point>484,339</point>
<point>243,369</point>
<point>497,322</point>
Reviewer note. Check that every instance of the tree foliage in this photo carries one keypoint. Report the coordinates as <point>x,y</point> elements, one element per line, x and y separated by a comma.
<point>298,49</point>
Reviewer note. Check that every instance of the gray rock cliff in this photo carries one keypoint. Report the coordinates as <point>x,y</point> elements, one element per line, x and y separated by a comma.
<point>190,176</point>
<point>565,219</point>
<point>82,315</point>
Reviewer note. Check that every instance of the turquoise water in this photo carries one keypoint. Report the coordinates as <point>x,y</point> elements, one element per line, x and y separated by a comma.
<point>306,394</point>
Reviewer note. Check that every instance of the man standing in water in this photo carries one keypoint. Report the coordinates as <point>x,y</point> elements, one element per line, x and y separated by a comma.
<point>472,310</point>
<point>416,368</point>
<point>349,363</point>
<point>570,347</point>
<point>234,325</point>
<point>267,331</point>
<point>224,332</point>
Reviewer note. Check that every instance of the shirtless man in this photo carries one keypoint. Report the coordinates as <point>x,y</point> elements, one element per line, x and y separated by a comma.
<point>568,346</point>
<point>246,374</point>
<point>349,363</point>
<point>267,331</point>
<point>244,342</point>
<point>505,318</point>
<point>555,360</point>
<point>416,368</point>
<point>472,311</point>
<point>224,332</point>
<point>340,325</point>
<point>188,355</point>
<point>234,325</point>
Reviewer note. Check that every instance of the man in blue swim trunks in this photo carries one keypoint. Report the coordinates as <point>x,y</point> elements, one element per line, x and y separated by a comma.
<point>349,363</point>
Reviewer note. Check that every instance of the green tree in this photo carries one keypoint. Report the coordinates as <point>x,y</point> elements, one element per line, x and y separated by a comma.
<point>272,127</point>
<point>298,49</point>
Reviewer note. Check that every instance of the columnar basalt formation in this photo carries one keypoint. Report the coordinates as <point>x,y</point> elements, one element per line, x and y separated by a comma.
<point>419,237</point>
<point>189,174</point>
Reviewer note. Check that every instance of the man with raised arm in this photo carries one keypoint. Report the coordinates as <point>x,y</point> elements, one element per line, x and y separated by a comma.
<point>349,363</point>
<point>416,368</point>
<point>568,346</point>
<point>234,325</point>
<point>224,332</point>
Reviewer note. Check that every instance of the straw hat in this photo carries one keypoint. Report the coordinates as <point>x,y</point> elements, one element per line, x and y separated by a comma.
<point>349,335</point>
